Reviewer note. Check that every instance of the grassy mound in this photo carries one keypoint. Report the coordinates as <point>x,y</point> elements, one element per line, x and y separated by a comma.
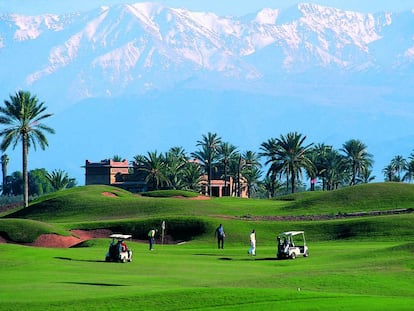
<point>27,231</point>
<point>365,197</point>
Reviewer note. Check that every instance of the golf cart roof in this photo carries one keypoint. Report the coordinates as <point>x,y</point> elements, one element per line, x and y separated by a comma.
<point>291,233</point>
<point>120,236</point>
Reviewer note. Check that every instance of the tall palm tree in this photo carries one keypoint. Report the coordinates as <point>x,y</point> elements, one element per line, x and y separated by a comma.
<point>357,158</point>
<point>4,162</point>
<point>22,116</point>
<point>208,155</point>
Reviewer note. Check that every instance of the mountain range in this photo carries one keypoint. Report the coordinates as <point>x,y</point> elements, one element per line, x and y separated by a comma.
<point>132,78</point>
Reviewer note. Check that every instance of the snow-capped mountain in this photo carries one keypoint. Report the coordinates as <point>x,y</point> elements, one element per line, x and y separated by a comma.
<point>129,49</point>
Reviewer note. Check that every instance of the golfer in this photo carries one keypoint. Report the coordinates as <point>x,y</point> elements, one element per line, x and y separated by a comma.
<point>252,250</point>
<point>151,236</point>
<point>220,236</point>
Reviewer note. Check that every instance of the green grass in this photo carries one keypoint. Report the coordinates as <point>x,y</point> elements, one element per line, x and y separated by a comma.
<point>357,263</point>
<point>372,276</point>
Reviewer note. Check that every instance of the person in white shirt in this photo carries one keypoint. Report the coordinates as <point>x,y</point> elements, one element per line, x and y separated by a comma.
<point>252,250</point>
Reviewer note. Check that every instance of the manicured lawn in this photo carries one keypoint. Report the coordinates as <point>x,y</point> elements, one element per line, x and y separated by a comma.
<point>341,275</point>
<point>355,263</point>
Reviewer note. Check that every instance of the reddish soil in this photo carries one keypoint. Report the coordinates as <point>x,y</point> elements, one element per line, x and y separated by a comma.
<point>78,236</point>
<point>109,194</point>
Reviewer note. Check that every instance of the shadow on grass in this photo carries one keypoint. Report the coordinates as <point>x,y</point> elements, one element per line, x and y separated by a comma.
<point>250,258</point>
<point>83,260</point>
<point>93,284</point>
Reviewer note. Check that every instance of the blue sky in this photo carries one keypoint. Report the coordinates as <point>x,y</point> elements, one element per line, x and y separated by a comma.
<point>222,7</point>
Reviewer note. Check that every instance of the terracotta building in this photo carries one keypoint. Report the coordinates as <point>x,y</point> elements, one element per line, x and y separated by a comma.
<point>122,175</point>
<point>113,173</point>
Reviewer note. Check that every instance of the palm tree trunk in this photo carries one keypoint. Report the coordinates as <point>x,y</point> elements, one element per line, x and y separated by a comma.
<point>25,172</point>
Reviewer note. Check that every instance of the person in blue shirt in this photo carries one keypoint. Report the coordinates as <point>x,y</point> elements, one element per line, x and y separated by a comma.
<point>220,236</point>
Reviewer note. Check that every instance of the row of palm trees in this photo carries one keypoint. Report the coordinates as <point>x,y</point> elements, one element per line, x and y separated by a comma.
<point>214,159</point>
<point>400,169</point>
<point>288,159</point>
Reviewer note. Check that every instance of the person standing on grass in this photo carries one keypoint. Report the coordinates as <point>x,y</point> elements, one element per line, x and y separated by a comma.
<point>151,237</point>
<point>252,250</point>
<point>220,236</point>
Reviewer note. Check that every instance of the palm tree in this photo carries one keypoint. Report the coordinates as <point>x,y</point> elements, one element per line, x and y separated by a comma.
<point>192,176</point>
<point>399,164</point>
<point>252,176</point>
<point>389,173</point>
<point>271,185</point>
<point>208,155</point>
<point>290,156</point>
<point>227,153</point>
<point>4,162</point>
<point>175,159</point>
<point>250,169</point>
<point>22,116</point>
<point>357,158</point>
<point>409,175</point>
<point>58,179</point>
<point>365,177</point>
<point>117,158</point>
<point>335,170</point>
<point>154,167</point>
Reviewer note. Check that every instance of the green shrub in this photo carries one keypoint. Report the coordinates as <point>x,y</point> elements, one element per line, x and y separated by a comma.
<point>170,193</point>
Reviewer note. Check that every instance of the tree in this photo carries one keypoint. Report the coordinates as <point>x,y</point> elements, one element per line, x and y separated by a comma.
<point>38,182</point>
<point>117,158</point>
<point>365,177</point>
<point>16,183</point>
<point>399,165</point>
<point>192,177</point>
<point>153,165</point>
<point>227,154</point>
<point>288,155</point>
<point>4,162</point>
<point>389,173</point>
<point>252,175</point>
<point>271,185</point>
<point>22,116</point>
<point>58,179</point>
<point>175,160</point>
<point>208,155</point>
<point>357,158</point>
<point>250,170</point>
<point>409,175</point>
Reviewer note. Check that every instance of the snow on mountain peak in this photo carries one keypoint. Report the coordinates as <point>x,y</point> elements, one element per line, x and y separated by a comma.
<point>30,27</point>
<point>267,16</point>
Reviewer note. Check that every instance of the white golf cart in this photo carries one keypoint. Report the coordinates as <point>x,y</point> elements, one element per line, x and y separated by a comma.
<point>286,247</point>
<point>118,251</point>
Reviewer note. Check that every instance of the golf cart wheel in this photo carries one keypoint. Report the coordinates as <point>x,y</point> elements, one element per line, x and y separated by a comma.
<point>293,255</point>
<point>306,254</point>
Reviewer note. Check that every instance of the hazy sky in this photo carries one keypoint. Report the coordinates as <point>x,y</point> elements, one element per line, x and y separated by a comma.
<point>221,7</point>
